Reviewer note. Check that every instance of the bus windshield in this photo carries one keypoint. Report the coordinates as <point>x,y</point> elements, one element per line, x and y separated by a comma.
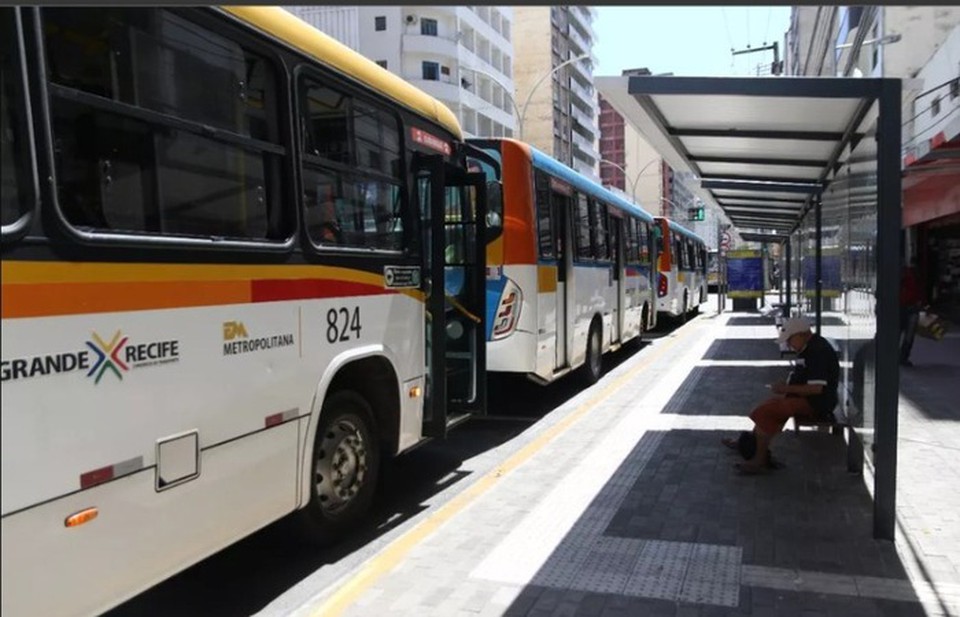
<point>494,194</point>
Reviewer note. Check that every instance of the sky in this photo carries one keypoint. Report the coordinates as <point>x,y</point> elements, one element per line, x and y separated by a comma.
<point>686,40</point>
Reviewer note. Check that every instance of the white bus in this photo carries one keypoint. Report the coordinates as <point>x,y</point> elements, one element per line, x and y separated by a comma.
<point>569,268</point>
<point>681,270</point>
<point>225,300</point>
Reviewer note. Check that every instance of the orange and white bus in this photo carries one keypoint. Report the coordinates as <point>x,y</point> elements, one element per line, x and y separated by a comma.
<point>226,300</point>
<point>681,269</point>
<point>569,268</point>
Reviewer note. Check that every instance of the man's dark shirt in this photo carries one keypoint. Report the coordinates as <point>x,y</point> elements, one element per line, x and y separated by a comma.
<point>817,363</point>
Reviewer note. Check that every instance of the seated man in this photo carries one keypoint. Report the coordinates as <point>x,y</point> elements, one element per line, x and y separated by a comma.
<point>811,391</point>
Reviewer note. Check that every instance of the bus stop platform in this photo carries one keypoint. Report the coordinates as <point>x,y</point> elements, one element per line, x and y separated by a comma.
<point>623,502</point>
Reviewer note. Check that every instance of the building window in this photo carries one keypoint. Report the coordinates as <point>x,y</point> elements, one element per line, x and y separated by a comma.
<point>428,27</point>
<point>954,89</point>
<point>431,71</point>
<point>444,70</point>
<point>380,23</point>
<point>382,64</point>
<point>935,106</point>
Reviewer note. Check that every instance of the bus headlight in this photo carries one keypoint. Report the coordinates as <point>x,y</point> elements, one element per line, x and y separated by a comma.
<point>508,311</point>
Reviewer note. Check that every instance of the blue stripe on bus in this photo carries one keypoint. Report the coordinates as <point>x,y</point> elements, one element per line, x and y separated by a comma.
<point>494,291</point>
<point>683,231</point>
<point>585,185</point>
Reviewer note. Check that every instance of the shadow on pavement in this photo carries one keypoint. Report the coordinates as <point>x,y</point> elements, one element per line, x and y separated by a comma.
<point>677,526</point>
<point>724,390</point>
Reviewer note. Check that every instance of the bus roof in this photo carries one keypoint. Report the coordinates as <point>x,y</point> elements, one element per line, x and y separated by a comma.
<point>680,229</point>
<point>289,28</point>
<point>582,183</point>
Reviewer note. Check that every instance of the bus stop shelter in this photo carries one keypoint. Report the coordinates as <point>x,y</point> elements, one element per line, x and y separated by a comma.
<point>815,161</point>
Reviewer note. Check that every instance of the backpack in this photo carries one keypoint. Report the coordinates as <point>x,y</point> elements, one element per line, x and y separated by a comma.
<point>747,444</point>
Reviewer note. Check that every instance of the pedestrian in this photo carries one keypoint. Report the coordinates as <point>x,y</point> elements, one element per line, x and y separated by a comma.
<point>910,304</point>
<point>810,392</point>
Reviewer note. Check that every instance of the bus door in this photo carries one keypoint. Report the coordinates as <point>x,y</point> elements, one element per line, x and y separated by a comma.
<point>453,207</point>
<point>616,252</point>
<point>561,216</point>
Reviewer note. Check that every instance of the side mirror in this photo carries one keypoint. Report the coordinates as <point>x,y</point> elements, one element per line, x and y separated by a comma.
<point>494,204</point>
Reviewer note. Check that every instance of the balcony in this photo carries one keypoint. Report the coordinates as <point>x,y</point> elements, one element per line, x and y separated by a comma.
<point>580,71</point>
<point>443,90</point>
<point>579,43</point>
<point>431,45</point>
<point>587,95</point>
<point>588,122</point>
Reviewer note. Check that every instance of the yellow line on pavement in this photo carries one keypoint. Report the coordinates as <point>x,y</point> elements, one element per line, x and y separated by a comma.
<point>392,555</point>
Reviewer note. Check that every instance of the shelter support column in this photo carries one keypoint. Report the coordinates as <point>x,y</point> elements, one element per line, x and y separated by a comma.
<point>789,278</point>
<point>888,309</point>
<point>818,297</point>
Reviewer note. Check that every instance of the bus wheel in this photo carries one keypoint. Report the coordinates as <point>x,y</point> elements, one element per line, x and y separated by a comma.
<point>593,365</point>
<point>684,309</point>
<point>345,463</point>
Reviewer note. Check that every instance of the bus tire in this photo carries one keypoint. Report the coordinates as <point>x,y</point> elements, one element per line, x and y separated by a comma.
<point>683,309</point>
<point>593,362</point>
<point>345,463</point>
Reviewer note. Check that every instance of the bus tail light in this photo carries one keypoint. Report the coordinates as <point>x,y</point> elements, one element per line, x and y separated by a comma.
<point>508,311</point>
<point>662,285</point>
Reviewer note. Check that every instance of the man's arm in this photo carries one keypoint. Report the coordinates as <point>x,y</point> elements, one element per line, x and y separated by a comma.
<point>800,389</point>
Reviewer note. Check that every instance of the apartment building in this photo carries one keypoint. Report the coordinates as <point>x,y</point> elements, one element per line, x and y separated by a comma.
<point>920,45</point>
<point>554,82</point>
<point>460,55</point>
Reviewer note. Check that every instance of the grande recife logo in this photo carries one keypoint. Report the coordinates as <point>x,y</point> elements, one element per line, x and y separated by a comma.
<point>118,355</point>
<point>108,356</point>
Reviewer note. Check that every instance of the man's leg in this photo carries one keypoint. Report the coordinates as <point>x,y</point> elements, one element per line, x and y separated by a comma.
<point>769,418</point>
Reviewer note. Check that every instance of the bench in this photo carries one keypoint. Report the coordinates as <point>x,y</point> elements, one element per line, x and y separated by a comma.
<point>854,445</point>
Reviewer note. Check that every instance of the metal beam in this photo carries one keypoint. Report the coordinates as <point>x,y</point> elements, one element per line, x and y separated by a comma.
<point>756,134</point>
<point>818,87</point>
<point>760,200</point>
<point>770,187</point>
<point>747,160</point>
<point>774,214</point>
<point>812,184</point>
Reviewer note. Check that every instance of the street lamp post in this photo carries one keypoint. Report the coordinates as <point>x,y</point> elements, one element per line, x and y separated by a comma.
<point>521,113</point>
<point>526,103</point>
<point>635,179</point>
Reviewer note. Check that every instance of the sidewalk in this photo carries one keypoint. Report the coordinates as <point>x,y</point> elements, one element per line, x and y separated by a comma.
<point>623,502</point>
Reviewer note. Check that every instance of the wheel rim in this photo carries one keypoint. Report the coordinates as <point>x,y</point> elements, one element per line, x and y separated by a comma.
<point>341,465</point>
<point>595,352</point>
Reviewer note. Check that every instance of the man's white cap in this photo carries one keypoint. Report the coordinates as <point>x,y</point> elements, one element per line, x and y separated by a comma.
<point>794,325</point>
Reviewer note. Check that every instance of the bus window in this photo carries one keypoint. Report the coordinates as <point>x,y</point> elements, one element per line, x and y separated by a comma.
<point>644,229</point>
<point>15,156</point>
<point>584,249</point>
<point>545,230</point>
<point>598,229</point>
<point>357,205</point>
<point>201,156</point>
<point>630,240</point>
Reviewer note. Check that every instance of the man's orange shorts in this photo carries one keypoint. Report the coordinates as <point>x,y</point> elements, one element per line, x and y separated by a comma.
<point>773,413</point>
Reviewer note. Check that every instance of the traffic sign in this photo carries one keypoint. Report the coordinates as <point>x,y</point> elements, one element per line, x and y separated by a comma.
<point>725,240</point>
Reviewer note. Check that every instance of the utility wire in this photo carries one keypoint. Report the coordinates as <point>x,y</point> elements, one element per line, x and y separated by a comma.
<point>766,33</point>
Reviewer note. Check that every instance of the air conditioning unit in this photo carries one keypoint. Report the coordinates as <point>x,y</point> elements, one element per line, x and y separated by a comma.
<point>412,19</point>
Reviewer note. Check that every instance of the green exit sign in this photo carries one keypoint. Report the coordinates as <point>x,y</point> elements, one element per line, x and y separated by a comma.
<point>695,214</point>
